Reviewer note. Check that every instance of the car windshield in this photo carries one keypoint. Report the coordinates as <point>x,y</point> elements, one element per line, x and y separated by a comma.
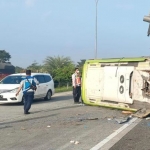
<point>12,80</point>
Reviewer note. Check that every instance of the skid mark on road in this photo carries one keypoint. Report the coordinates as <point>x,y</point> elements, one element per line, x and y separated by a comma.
<point>21,118</point>
<point>112,139</point>
<point>27,119</point>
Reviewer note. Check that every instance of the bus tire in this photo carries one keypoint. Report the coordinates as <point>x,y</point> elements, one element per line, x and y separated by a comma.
<point>121,78</point>
<point>121,89</point>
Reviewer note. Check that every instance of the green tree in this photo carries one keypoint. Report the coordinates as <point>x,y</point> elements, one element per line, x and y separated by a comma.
<point>63,75</point>
<point>4,56</point>
<point>60,68</point>
<point>35,67</point>
<point>19,69</point>
<point>51,64</point>
<point>80,64</point>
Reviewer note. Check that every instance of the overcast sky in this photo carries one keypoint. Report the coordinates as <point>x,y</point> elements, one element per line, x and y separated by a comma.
<point>31,30</point>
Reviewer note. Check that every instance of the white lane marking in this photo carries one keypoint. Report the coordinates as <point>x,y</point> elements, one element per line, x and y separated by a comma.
<point>107,139</point>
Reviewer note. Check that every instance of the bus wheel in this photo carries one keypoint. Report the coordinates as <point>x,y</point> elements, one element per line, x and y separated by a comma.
<point>121,78</point>
<point>121,89</point>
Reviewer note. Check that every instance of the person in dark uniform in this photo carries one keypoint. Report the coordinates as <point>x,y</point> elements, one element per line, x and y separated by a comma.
<point>28,86</point>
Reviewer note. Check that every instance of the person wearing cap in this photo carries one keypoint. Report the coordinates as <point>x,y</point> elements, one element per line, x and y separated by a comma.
<point>28,86</point>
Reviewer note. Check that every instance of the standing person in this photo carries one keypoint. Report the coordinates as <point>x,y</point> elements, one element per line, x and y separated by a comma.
<point>76,84</point>
<point>28,86</point>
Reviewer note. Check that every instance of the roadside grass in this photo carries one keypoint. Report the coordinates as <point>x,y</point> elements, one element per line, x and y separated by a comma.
<point>63,89</point>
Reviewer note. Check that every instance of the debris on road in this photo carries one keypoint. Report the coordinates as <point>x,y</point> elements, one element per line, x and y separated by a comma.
<point>77,142</point>
<point>92,119</point>
<point>82,119</point>
<point>148,118</point>
<point>110,118</point>
<point>74,142</point>
<point>121,120</point>
<point>22,128</point>
<point>48,126</point>
<point>142,113</point>
<point>127,112</point>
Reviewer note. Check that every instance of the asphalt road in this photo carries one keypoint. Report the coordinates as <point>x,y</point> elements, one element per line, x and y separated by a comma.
<point>137,139</point>
<point>59,124</point>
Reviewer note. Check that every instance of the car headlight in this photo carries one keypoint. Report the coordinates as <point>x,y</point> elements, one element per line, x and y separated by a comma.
<point>13,91</point>
<point>10,91</point>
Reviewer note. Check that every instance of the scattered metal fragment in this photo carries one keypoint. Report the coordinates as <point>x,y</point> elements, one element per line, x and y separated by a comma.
<point>123,119</point>
<point>142,113</point>
<point>82,119</point>
<point>148,118</point>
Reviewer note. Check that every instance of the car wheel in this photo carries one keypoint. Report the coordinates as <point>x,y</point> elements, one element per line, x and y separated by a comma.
<point>48,95</point>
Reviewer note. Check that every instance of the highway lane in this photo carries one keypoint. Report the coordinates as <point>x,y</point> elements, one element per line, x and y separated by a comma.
<point>54,124</point>
<point>137,139</point>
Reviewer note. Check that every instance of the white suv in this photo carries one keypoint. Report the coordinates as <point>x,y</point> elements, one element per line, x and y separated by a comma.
<point>10,84</point>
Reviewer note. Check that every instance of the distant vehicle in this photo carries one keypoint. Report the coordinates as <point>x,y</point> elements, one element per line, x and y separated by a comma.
<point>10,84</point>
<point>116,82</point>
<point>6,69</point>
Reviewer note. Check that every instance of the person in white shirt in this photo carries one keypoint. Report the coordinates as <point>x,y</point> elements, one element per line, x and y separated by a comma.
<point>76,84</point>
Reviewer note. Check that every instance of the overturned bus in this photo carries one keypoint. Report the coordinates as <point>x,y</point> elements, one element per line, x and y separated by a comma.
<point>6,69</point>
<point>117,82</point>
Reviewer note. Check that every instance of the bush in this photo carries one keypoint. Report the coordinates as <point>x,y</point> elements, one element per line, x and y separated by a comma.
<point>63,89</point>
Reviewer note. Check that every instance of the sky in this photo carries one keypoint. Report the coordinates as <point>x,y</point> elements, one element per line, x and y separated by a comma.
<point>32,30</point>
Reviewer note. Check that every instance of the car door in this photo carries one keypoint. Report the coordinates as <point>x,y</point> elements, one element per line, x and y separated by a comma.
<point>49,83</point>
<point>39,91</point>
<point>42,86</point>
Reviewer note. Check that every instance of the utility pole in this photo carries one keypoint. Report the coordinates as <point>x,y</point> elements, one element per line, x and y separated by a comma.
<point>96,2</point>
<point>147,19</point>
